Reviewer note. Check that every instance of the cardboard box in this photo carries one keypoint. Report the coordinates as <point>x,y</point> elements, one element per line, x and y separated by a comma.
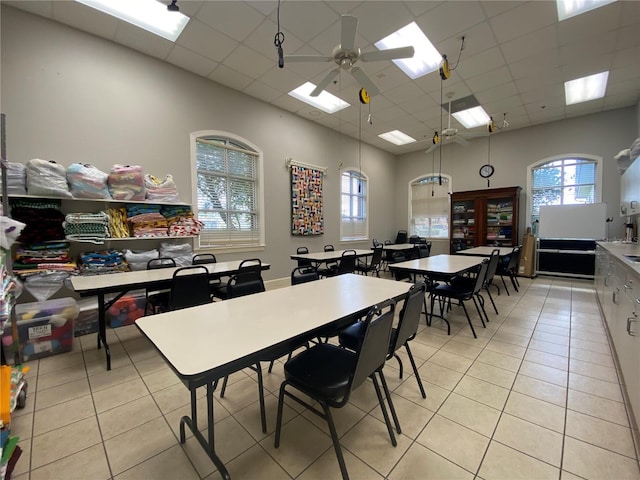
<point>527,266</point>
<point>43,329</point>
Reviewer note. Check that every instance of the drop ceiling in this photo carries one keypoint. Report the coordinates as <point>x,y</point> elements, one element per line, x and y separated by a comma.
<point>516,56</point>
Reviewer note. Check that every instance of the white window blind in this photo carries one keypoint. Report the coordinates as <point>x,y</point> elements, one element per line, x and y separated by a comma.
<point>227,197</point>
<point>354,224</point>
<point>430,206</point>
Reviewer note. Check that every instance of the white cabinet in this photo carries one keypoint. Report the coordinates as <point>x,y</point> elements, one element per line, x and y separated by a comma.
<point>630,190</point>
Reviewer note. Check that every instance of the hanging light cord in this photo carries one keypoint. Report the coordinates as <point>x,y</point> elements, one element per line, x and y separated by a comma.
<point>441,141</point>
<point>459,55</point>
<point>278,40</point>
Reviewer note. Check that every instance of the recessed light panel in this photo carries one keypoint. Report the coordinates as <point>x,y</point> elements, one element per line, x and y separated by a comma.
<point>397,137</point>
<point>585,88</point>
<point>571,8</point>
<point>426,58</point>
<point>472,117</point>
<point>150,15</point>
<point>325,101</point>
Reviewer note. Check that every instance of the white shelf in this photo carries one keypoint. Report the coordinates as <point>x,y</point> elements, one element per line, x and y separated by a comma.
<point>98,200</point>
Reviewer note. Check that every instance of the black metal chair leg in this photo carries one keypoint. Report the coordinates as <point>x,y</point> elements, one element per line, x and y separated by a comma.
<point>384,411</point>
<point>491,298</point>
<point>505,284</point>
<point>387,394</point>
<point>415,370</point>
<point>475,302</point>
<point>469,320</point>
<point>263,415</point>
<point>399,364</point>
<point>224,386</point>
<point>336,440</point>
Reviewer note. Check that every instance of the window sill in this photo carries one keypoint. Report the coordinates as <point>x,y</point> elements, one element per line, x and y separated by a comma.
<point>230,249</point>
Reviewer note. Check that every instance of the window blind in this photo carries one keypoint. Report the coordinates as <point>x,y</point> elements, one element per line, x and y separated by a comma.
<point>423,204</point>
<point>353,223</point>
<point>227,193</point>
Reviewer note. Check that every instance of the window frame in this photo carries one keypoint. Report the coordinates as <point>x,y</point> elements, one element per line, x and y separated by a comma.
<point>365,180</point>
<point>539,163</point>
<point>410,220</point>
<point>259,244</point>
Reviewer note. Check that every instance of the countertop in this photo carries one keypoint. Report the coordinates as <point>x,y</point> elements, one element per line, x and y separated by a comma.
<point>619,250</point>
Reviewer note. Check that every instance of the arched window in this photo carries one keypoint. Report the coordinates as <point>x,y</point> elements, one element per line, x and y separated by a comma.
<point>563,180</point>
<point>226,171</point>
<point>354,220</point>
<point>429,206</point>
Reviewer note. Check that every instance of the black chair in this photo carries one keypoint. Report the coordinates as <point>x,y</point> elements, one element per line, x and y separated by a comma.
<point>414,239</point>
<point>347,264</point>
<point>189,287</point>
<point>304,262</point>
<point>157,301</point>
<point>424,249</point>
<point>247,281</point>
<point>401,236</point>
<point>204,259</point>
<point>374,265</point>
<point>488,279</point>
<point>327,269</point>
<point>328,375</point>
<point>447,292</point>
<point>509,267</point>
<point>401,335</point>
<point>303,275</point>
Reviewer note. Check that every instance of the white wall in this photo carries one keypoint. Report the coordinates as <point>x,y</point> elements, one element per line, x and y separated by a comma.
<point>73,97</point>
<point>603,134</point>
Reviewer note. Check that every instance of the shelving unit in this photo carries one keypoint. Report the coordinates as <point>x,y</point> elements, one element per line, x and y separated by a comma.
<point>484,217</point>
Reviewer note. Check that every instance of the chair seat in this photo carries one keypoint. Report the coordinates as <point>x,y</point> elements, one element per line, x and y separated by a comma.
<point>324,370</point>
<point>452,291</point>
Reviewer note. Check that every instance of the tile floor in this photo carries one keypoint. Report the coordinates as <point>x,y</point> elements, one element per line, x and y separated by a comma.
<point>535,396</point>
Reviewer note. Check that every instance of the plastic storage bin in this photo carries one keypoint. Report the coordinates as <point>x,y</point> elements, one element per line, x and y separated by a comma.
<point>44,328</point>
<point>87,321</point>
<point>126,310</point>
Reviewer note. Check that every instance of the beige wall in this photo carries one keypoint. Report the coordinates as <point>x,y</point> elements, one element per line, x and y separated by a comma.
<point>73,97</point>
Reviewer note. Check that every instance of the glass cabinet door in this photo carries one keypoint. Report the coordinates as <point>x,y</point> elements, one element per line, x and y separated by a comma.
<point>463,214</point>
<point>499,228</point>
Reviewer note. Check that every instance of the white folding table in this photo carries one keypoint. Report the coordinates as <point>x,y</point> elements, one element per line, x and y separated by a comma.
<point>203,344</point>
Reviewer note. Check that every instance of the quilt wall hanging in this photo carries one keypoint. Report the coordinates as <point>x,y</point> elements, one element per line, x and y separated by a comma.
<point>306,200</point>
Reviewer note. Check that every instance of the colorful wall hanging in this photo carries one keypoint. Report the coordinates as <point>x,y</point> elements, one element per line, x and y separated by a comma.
<point>306,200</point>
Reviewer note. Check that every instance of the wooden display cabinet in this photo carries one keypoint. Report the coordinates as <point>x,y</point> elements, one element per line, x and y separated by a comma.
<point>484,217</point>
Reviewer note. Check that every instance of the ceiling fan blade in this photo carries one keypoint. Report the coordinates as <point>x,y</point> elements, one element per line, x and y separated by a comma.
<point>365,82</point>
<point>324,82</point>
<point>390,54</point>
<point>308,58</point>
<point>348,34</point>
<point>459,140</point>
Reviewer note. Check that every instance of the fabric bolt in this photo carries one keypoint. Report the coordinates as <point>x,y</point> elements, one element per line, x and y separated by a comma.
<point>118,226</point>
<point>87,181</point>
<point>126,182</point>
<point>41,224</point>
<point>109,261</point>
<point>161,190</point>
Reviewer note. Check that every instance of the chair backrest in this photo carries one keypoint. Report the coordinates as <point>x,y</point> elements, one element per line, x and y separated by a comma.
<point>415,252</point>
<point>493,266</point>
<point>514,259</point>
<point>388,242</point>
<point>303,262</point>
<point>303,275</point>
<point>401,236</point>
<point>376,259</point>
<point>414,239</point>
<point>189,287</point>
<point>329,248</point>
<point>248,280</point>
<point>424,249</point>
<point>347,262</point>
<point>409,316</point>
<point>374,343</point>
<point>203,258</point>
<point>482,273</point>
<point>376,243</point>
<point>161,262</point>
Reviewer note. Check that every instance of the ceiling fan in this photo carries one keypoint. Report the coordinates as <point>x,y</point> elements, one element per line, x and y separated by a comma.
<point>451,135</point>
<point>345,55</point>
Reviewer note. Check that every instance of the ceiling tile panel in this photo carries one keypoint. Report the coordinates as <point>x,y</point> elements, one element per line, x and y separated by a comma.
<point>248,61</point>
<point>542,40</point>
<point>205,41</point>
<point>235,19</point>
<point>450,19</point>
<point>495,93</point>
<point>476,39</point>
<point>282,81</point>
<point>83,17</point>
<point>306,20</point>
<point>143,41</point>
<point>488,80</point>
<point>481,63</point>
<point>525,18</point>
<point>262,91</point>
<point>494,8</point>
<point>229,77</point>
<point>376,23</point>
<point>600,20</point>
<point>535,65</point>
<point>600,44</point>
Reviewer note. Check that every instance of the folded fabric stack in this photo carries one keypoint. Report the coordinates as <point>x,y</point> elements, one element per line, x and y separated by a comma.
<point>96,263</point>
<point>161,190</point>
<point>86,226</point>
<point>43,220</point>
<point>43,257</point>
<point>126,182</point>
<point>47,178</point>
<point>86,181</point>
<point>146,221</point>
<point>181,220</point>
<point>118,226</point>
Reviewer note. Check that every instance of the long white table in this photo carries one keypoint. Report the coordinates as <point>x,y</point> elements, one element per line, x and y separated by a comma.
<point>439,264</point>
<point>321,257</point>
<point>203,344</point>
<point>399,247</point>
<point>120,283</point>
<point>485,251</point>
